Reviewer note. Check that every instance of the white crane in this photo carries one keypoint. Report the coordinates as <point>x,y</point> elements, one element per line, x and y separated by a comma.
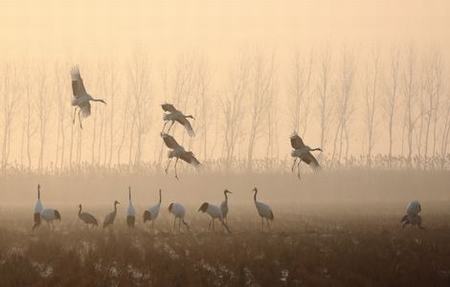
<point>131,212</point>
<point>173,115</point>
<point>86,217</point>
<point>224,205</point>
<point>301,153</point>
<point>264,210</point>
<point>412,215</point>
<point>38,207</point>
<point>215,213</point>
<point>50,215</point>
<point>152,212</point>
<point>109,219</point>
<point>81,99</point>
<point>178,152</point>
<point>178,211</point>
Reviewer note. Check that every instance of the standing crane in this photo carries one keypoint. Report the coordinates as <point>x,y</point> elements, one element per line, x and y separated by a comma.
<point>301,153</point>
<point>38,207</point>
<point>81,99</point>
<point>264,210</point>
<point>50,215</point>
<point>109,219</point>
<point>178,152</point>
<point>131,212</point>
<point>215,213</point>
<point>178,212</point>
<point>152,212</point>
<point>412,215</point>
<point>86,217</point>
<point>224,205</point>
<point>173,115</point>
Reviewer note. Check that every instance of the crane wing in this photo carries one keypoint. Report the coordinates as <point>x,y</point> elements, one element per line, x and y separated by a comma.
<point>190,158</point>
<point>78,88</point>
<point>168,108</point>
<point>170,141</point>
<point>85,109</point>
<point>297,142</point>
<point>187,125</point>
<point>310,160</point>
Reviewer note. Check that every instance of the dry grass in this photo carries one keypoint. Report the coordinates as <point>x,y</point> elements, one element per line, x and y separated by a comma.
<point>314,242</point>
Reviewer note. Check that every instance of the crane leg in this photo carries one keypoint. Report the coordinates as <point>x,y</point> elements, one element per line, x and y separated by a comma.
<point>293,165</point>
<point>214,228</point>
<point>298,168</point>
<point>176,174</point>
<point>209,225</point>
<point>171,125</point>
<point>164,126</point>
<point>268,224</point>
<point>174,221</point>
<point>79,118</point>
<point>74,115</point>
<point>168,165</point>
<point>179,225</point>
<point>262,224</point>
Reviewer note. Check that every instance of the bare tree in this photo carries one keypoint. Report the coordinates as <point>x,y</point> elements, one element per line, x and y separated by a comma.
<point>409,94</point>
<point>371,104</point>
<point>261,99</point>
<point>432,84</point>
<point>43,113</point>
<point>299,92</point>
<point>323,89</point>
<point>344,108</point>
<point>139,76</point>
<point>233,109</point>
<point>8,88</point>
<point>391,98</point>
<point>61,103</point>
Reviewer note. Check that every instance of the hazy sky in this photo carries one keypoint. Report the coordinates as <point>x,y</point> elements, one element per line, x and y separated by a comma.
<point>86,28</point>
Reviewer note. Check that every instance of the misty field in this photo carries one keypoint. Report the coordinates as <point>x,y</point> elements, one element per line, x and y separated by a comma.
<point>338,228</point>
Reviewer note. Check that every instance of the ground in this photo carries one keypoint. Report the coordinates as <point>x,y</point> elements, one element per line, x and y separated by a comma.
<point>337,248</point>
<point>334,228</point>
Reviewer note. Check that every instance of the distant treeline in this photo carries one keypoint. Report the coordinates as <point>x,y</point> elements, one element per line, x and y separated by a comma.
<point>365,107</point>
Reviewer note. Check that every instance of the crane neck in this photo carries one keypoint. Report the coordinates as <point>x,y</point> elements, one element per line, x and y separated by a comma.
<point>254,195</point>
<point>79,210</point>
<point>160,196</point>
<point>129,194</point>
<point>226,196</point>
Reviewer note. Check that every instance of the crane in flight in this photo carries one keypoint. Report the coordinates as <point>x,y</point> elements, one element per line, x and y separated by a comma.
<point>303,153</point>
<point>178,152</point>
<point>81,99</point>
<point>173,115</point>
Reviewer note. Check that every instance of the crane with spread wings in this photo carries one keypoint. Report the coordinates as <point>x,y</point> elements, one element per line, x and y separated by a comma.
<point>303,153</point>
<point>81,99</point>
<point>178,152</point>
<point>173,115</point>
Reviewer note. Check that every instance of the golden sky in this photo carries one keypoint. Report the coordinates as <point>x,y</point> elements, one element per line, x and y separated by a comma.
<point>89,28</point>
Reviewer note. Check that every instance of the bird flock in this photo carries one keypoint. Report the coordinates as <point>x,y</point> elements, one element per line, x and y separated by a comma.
<point>81,101</point>
<point>215,212</point>
<point>178,211</point>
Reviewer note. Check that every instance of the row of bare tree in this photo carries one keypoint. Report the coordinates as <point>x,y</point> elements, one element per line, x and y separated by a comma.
<point>371,104</point>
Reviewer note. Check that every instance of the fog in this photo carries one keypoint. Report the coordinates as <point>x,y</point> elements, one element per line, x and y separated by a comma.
<point>364,80</point>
